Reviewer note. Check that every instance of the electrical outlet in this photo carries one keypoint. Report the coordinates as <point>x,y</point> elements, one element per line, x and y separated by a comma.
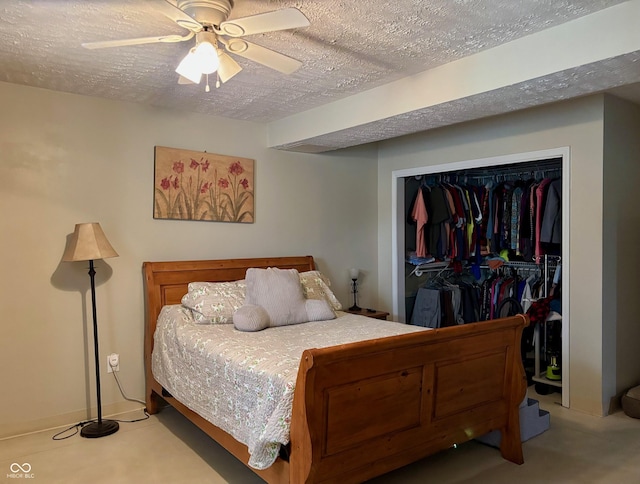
<point>113,362</point>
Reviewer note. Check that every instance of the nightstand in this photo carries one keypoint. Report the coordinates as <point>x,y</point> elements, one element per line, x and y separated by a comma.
<point>374,313</point>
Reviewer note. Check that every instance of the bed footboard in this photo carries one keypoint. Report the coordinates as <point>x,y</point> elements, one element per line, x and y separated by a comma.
<point>363,409</point>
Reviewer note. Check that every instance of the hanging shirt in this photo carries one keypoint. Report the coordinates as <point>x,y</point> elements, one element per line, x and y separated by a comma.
<point>426,309</point>
<point>420,216</point>
<point>540,199</point>
<point>439,214</point>
<point>524,232</point>
<point>484,228</point>
<point>532,217</point>
<point>447,226</point>
<point>516,201</point>
<point>551,230</point>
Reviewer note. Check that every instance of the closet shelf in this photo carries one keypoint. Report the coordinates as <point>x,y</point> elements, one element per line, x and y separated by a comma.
<point>541,378</point>
<point>430,267</point>
<point>419,269</point>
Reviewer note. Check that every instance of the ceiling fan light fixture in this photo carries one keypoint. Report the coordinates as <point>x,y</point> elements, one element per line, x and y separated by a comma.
<point>190,68</point>
<point>207,56</point>
<point>202,59</point>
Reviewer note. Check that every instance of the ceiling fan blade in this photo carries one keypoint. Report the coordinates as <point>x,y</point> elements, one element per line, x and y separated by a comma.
<point>140,40</point>
<point>261,55</point>
<point>286,18</point>
<point>169,10</point>
<point>228,67</point>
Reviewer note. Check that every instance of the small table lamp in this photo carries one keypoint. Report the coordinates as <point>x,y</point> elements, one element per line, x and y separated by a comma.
<point>88,242</point>
<point>354,273</point>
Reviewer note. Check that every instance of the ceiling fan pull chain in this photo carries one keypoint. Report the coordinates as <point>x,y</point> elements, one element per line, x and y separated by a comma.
<point>207,88</point>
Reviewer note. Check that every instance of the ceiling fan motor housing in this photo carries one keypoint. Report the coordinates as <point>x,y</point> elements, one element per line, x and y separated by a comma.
<point>206,36</point>
<point>207,12</point>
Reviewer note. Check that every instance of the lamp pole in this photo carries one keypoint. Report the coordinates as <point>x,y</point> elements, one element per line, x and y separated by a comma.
<point>101,427</point>
<point>354,286</point>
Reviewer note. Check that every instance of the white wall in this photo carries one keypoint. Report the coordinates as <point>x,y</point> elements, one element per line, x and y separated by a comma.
<point>577,124</point>
<point>621,232</point>
<point>68,159</point>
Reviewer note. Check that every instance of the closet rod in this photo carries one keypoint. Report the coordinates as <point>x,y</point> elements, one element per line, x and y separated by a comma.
<point>550,165</point>
<point>551,261</point>
<point>507,175</point>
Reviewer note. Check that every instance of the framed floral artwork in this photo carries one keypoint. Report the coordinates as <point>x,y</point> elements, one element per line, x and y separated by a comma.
<point>193,185</point>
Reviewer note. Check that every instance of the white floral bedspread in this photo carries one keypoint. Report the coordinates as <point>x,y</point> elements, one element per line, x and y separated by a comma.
<point>244,382</point>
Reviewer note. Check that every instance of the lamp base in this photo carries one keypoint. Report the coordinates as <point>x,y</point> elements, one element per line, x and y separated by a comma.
<point>99,429</point>
<point>355,308</point>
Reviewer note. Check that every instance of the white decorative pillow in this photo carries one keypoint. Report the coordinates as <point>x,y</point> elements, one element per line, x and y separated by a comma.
<point>316,286</point>
<point>251,318</point>
<point>254,318</point>
<point>279,292</point>
<point>214,302</point>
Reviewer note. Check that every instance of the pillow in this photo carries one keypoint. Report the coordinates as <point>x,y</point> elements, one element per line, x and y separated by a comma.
<point>214,302</point>
<point>279,292</point>
<point>316,286</point>
<point>254,318</point>
<point>251,318</point>
<point>318,310</point>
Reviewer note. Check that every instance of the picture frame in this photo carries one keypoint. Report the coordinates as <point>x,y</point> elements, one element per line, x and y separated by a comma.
<point>195,185</point>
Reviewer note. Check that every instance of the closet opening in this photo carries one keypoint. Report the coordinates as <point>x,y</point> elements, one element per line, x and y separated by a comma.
<point>486,238</point>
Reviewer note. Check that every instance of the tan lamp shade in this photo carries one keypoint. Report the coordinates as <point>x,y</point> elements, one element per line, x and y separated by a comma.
<point>88,242</point>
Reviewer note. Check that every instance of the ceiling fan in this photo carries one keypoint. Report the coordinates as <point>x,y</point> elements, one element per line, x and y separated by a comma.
<point>207,21</point>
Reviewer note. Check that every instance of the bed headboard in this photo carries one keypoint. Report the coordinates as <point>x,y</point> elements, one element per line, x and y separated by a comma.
<point>167,282</point>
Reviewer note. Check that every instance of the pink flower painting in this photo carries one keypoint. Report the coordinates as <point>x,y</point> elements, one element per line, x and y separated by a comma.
<point>191,185</point>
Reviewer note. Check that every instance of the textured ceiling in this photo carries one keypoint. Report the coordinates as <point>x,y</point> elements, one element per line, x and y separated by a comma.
<point>350,47</point>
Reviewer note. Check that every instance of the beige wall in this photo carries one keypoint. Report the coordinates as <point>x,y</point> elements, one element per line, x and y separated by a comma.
<point>70,159</point>
<point>577,124</point>
<point>621,232</point>
<point>67,159</point>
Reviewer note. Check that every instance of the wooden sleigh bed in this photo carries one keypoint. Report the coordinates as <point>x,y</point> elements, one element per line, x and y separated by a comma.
<point>433,388</point>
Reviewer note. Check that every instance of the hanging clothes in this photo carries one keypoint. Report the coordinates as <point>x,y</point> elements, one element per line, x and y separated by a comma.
<point>472,216</point>
<point>439,210</point>
<point>551,230</point>
<point>426,310</point>
<point>421,217</point>
<point>447,301</point>
<point>541,191</point>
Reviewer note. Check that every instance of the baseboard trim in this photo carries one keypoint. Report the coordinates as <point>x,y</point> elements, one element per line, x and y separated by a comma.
<point>615,403</point>
<point>9,431</point>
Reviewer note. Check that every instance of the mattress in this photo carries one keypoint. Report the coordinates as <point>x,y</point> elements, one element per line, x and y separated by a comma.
<point>244,382</point>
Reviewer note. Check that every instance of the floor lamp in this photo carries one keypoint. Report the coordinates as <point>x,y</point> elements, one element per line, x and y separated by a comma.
<point>88,243</point>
